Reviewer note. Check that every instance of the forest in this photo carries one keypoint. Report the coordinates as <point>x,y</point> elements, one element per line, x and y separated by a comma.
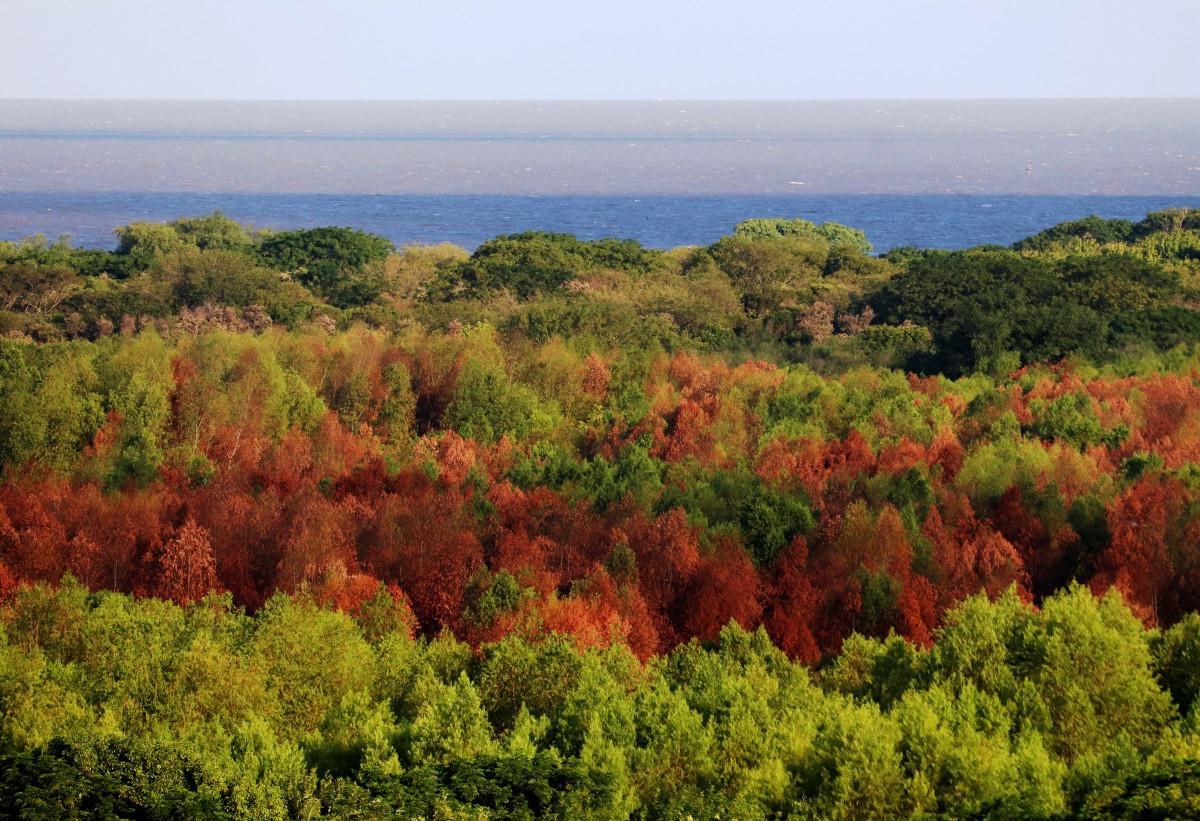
<point>303,524</point>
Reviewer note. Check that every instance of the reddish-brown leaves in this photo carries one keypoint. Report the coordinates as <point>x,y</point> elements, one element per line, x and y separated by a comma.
<point>187,568</point>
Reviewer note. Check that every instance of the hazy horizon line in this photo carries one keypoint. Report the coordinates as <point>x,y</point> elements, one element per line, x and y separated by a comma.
<point>593,99</point>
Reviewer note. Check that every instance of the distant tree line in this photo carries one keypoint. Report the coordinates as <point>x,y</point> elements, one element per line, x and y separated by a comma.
<point>783,290</point>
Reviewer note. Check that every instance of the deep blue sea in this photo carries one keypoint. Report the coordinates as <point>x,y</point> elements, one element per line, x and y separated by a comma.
<point>926,220</point>
<point>949,174</point>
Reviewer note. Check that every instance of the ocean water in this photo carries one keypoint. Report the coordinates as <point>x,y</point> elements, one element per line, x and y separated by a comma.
<point>925,220</point>
<point>942,174</point>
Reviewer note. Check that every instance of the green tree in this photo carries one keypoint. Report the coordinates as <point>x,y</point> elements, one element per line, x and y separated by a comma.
<point>451,725</point>
<point>148,240</point>
<point>212,232</point>
<point>332,262</point>
<point>311,659</point>
<point>832,232</point>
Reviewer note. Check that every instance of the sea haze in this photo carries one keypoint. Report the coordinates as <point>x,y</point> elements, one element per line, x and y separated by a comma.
<point>944,173</point>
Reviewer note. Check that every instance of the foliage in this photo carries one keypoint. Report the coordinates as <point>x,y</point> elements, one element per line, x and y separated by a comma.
<point>291,524</point>
<point>831,232</point>
<point>207,712</point>
<point>536,262</point>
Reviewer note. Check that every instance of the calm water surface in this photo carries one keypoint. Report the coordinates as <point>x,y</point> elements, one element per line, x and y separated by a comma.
<point>947,173</point>
<point>936,221</point>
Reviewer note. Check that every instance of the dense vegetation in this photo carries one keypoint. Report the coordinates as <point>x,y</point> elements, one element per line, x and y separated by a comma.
<point>140,708</point>
<point>438,533</point>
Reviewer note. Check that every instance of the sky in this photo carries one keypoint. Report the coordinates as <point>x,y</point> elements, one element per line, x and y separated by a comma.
<point>598,49</point>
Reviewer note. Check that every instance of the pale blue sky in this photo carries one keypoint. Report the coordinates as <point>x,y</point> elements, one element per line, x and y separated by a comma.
<point>600,49</point>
